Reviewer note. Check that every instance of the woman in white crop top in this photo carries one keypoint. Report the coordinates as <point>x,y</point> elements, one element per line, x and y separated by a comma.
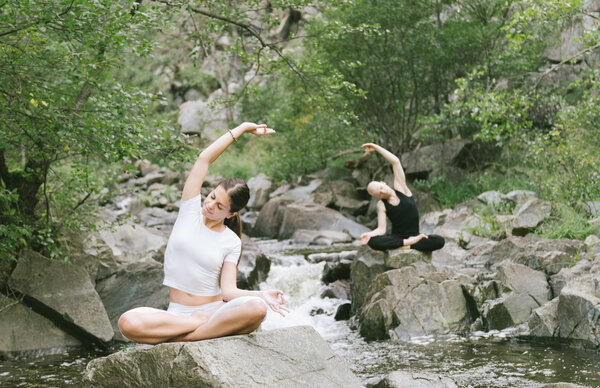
<point>204,246</point>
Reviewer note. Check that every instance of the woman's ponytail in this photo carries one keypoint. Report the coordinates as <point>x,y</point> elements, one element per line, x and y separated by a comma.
<point>234,223</point>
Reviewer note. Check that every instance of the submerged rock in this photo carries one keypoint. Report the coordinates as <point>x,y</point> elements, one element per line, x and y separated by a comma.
<point>289,357</point>
<point>401,379</point>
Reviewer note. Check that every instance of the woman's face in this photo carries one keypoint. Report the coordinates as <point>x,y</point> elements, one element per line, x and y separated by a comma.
<point>379,189</point>
<point>216,204</point>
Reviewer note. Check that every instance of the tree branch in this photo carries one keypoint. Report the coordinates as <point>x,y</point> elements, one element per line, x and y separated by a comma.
<point>39,21</point>
<point>569,59</point>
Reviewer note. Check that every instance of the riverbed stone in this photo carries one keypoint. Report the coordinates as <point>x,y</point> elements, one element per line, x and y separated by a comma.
<point>23,330</point>
<point>523,291</point>
<point>413,300</point>
<point>339,289</point>
<point>367,264</point>
<point>398,258</point>
<point>64,292</point>
<point>543,321</point>
<point>288,357</point>
<point>406,379</point>
<point>519,196</point>
<point>529,216</point>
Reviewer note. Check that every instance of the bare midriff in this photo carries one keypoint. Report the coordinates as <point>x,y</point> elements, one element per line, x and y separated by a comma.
<point>185,298</point>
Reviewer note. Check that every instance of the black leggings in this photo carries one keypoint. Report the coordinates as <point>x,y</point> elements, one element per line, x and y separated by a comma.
<point>433,242</point>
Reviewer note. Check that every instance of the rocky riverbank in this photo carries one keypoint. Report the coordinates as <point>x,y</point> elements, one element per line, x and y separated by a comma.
<point>528,287</point>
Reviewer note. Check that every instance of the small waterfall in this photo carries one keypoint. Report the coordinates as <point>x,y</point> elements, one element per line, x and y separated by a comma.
<point>302,287</point>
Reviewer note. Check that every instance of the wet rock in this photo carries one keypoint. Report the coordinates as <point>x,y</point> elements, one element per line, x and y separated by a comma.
<point>413,300</point>
<point>529,215</point>
<point>405,379</point>
<point>289,357</point>
<point>63,292</point>
<point>367,264</point>
<point>401,258</point>
<point>254,266</point>
<point>543,321</point>
<point>343,312</point>
<point>336,271</point>
<point>133,285</point>
<point>23,330</point>
<point>339,289</point>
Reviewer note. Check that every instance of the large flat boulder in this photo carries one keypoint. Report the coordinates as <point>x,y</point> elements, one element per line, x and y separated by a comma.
<point>289,357</point>
<point>23,330</point>
<point>65,293</point>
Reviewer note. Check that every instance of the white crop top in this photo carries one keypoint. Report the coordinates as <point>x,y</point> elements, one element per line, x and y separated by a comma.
<point>195,253</point>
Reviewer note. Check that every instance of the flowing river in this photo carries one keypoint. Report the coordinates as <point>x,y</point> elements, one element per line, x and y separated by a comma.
<point>481,360</point>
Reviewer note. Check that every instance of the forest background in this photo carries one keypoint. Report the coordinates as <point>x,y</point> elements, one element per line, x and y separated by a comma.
<point>82,98</point>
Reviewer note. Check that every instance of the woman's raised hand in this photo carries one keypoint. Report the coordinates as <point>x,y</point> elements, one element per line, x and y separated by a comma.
<point>369,147</point>
<point>276,301</point>
<point>256,129</point>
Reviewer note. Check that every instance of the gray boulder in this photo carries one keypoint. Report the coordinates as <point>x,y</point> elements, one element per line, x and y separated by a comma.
<point>529,215</point>
<point>133,285</point>
<point>413,300</point>
<point>260,187</point>
<point>524,290</point>
<point>23,330</point>
<point>129,242</point>
<point>289,357</point>
<point>367,264</point>
<point>401,258</point>
<point>270,217</point>
<point>546,255</point>
<point>312,216</point>
<point>64,292</point>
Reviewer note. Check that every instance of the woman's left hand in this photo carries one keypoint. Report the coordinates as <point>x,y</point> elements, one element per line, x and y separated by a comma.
<point>276,301</point>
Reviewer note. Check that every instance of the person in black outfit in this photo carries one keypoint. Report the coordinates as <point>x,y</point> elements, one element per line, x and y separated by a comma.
<point>399,206</point>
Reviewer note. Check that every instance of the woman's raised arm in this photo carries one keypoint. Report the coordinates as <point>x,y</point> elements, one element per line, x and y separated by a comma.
<point>399,177</point>
<point>197,174</point>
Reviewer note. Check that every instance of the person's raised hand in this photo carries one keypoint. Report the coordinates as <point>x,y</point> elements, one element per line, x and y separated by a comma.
<point>369,147</point>
<point>275,301</point>
<point>256,129</point>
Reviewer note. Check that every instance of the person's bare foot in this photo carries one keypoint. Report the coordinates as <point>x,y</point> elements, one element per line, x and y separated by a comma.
<point>401,249</point>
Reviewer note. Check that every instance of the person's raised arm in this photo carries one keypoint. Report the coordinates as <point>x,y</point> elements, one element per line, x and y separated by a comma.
<point>197,174</point>
<point>229,290</point>
<point>381,225</point>
<point>399,177</point>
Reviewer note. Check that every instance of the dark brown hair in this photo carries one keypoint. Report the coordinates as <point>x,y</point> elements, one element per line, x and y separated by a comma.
<point>239,194</point>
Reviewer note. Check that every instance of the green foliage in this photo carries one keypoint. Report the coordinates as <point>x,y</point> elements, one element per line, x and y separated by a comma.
<point>565,222</point>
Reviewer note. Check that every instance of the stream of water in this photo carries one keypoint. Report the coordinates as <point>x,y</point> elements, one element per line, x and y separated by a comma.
<point>480,360</point>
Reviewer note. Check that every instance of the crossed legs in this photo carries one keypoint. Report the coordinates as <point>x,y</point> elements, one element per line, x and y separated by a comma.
<point>152,326</point>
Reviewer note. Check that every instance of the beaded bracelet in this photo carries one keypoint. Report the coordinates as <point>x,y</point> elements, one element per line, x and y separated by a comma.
<point>231,133</point>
